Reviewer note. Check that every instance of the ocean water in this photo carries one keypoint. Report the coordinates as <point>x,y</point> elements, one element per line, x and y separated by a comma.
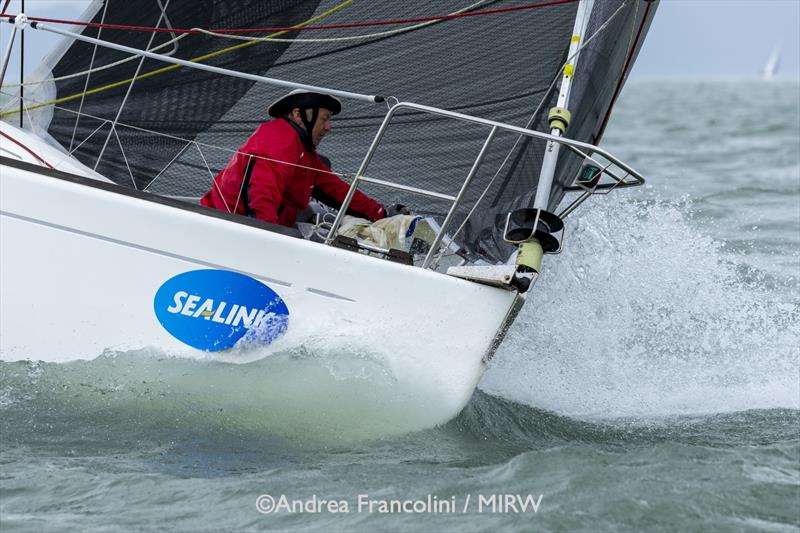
<point>651,383</point>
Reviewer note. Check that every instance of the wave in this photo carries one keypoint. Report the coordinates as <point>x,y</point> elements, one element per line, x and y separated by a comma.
<point>494,420</point>
<point>645,315</point>
<point>188,413</point>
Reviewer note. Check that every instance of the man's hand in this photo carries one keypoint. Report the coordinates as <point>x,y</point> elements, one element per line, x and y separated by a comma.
<point>396,209</point>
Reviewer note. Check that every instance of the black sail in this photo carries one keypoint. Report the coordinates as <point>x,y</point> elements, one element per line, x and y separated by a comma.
<point>501,66</point>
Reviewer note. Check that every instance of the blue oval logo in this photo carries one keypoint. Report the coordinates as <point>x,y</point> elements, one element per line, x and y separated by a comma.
<point>212,310</point>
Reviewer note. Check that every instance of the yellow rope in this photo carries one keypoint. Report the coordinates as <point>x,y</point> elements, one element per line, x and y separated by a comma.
<point>172,67</point>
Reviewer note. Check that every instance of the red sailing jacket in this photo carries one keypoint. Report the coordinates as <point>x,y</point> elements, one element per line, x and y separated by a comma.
<point>281,184</point>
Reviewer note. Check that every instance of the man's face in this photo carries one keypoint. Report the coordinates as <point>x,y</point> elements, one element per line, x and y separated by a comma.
<point>321,127</point>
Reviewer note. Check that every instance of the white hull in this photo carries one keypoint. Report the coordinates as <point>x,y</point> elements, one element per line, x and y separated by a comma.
<point>81,267</point>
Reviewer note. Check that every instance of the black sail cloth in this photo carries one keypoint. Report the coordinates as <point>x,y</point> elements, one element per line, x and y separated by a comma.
<point>498,66</point>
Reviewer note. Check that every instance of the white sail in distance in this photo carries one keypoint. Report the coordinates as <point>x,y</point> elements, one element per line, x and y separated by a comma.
<point>771,68</point>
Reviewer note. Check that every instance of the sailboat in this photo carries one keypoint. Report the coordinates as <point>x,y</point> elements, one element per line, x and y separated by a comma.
<point>481,115</point>
<point>771,68</point>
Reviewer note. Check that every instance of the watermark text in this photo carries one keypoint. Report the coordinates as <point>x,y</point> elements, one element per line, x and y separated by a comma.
<point>427,504</point>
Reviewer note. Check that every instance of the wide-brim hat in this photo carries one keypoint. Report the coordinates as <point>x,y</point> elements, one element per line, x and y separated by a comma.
<point>304,100</point>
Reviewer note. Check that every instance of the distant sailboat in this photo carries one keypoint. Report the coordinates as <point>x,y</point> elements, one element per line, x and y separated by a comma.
<point>771,68</point>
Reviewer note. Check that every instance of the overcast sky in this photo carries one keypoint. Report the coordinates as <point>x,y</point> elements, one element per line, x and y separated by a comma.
<point>688,38</point>
<point>721,38</point>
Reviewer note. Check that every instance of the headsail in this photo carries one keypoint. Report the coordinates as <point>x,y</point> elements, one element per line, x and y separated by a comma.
<point>503,66</point>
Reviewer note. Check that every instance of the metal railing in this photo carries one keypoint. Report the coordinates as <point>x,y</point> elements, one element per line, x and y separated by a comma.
<point>585,150</point>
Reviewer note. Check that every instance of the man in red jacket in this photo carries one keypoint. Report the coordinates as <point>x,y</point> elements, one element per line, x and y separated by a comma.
<point>277,170</point>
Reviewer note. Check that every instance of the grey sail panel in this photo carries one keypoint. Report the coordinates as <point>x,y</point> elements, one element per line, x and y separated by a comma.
<point>499,66</point>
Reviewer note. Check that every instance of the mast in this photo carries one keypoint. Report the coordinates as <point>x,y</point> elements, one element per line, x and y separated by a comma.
<point>559,116</point>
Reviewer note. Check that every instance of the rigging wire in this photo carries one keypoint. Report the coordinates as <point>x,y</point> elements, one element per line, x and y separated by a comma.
<point>173,67</point>
<point>304,27</point>
<point>266,39</point>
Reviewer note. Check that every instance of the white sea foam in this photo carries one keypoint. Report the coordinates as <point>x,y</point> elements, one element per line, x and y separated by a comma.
<point>644,314</point>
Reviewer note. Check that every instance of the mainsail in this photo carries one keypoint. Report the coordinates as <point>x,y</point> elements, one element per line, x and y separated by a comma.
<point>503,66</point>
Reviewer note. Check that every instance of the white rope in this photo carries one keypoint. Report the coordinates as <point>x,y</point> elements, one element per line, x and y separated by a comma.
<point>168,24</point>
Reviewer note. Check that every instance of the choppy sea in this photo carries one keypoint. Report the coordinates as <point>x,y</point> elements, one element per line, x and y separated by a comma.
<point>652,382</point>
